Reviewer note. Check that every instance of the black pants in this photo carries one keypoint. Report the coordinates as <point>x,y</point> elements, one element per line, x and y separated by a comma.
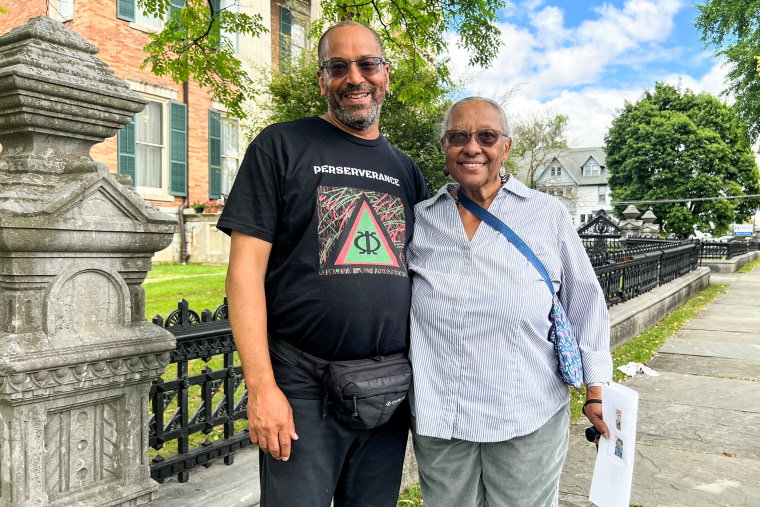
<point>358,468</point>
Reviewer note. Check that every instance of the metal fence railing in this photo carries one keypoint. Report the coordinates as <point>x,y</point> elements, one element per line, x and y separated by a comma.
<point>197,403</point>
<point>202,403</point>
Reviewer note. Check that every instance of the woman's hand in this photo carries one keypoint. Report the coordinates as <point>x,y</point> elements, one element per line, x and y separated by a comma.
<point>593,411</point>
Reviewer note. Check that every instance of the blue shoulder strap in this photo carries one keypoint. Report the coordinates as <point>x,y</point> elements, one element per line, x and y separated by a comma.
<point>488,217</point>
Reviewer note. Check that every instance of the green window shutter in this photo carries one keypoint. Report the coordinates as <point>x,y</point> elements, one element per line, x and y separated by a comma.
<point>127,150</point>
<point>214,154</point>
<point>286,21</point>
<point>177,149</point>
<point>215,35</point>
<point>125,9</point>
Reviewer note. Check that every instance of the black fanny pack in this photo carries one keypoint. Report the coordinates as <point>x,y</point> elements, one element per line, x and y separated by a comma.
<point>363,393</point>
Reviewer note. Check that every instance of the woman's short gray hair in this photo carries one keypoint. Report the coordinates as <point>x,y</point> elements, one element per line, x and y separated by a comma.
<point>504,123</point>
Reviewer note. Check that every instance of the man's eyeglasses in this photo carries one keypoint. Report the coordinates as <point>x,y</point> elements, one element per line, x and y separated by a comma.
<point>339,67</point>
<point>484,137</point>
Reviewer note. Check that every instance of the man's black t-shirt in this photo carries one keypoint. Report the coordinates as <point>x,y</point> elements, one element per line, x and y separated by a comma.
<point>339,211</point>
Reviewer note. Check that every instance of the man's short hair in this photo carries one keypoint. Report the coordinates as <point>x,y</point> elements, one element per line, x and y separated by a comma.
<point>475,98</point>
<point>321,46</point>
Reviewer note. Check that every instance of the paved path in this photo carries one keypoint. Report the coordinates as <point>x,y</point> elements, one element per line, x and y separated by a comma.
<point>698,439</point>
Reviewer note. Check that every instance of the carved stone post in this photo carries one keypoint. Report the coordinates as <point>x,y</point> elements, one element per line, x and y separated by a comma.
<point>630,225</point>
<point>649,229</point>
<point>76,354</point>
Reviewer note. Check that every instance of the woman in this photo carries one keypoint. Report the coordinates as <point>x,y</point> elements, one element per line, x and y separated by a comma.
<point>490,411</point>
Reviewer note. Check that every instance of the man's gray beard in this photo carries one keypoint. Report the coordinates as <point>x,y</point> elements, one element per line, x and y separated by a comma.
<point>344,115</point>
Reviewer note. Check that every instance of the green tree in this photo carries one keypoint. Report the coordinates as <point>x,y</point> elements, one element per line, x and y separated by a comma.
<point>537,136</point>
<point>676,145</point>
<point>412,126</point>
<point>732,28</point>
<point>189,46</point>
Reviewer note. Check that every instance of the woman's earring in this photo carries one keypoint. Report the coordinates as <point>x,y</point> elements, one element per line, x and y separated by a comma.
<point>446,171</point>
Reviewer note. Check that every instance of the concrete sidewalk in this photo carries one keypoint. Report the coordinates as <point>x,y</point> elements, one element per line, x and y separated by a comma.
<point>698,438</point>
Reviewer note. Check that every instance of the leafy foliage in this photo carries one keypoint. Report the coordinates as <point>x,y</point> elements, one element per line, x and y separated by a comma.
<point>412,126</point>
<point>674,144</point>
<point>416,31</point>
<point>733,29</point>
<point>191,46</point>
<point>537,136</point>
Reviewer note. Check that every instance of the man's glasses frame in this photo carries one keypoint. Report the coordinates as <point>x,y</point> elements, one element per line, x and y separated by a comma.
<point>484,137</point>
<point>339,67</point>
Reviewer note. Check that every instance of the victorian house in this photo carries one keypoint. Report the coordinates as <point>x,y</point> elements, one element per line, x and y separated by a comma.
<point>577,176</point>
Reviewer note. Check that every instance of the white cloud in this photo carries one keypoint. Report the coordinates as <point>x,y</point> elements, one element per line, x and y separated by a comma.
<point>588,71</point>
<point>713,82</point>
<point>551,57</point>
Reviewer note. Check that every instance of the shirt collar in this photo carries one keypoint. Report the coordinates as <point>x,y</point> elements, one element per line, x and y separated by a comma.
<point>512,185</point>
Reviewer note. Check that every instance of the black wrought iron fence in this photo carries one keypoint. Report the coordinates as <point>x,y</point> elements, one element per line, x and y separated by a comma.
<point>635,273</point>
<point>189,404</point>
<point>718,250</point>
<point>206,402</point>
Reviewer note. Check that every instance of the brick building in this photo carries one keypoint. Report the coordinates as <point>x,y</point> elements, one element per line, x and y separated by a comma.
<point>182,147</point>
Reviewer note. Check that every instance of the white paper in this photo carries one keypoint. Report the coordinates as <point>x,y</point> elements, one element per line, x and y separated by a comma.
<point>613,472</point>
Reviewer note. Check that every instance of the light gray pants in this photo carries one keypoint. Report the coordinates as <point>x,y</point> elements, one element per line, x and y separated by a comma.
<point>521,472</point>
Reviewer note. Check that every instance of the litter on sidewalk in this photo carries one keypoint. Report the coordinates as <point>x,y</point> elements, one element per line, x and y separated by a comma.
<point>632,368</point>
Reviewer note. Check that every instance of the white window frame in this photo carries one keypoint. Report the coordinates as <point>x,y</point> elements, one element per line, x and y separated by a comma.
<point>157,193</point>
<point>601,194</point>
<point>61,10</point>
<point>163,95</point>
<point>230,156</point>
<point>591,169</point>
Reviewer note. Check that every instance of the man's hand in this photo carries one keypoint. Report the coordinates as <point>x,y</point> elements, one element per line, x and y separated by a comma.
<point>270,421</point>
<point>593,411</point>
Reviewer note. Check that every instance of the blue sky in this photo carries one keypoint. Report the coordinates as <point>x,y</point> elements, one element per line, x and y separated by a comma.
<point>584,58</point>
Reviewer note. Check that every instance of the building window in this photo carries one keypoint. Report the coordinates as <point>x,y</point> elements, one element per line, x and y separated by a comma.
<point>583,218</point>
<point>602,194</point>
<point>223,153</point>
<point>61,10</point>
<point>229,153</point>
<point>591,169</point>
<point>149,138</point>
<point>153,150</point>
<point>129,10</point>
<point>231,6</point>
<point>556,171</point>
<point>292,38</point>
<point>145,19</point>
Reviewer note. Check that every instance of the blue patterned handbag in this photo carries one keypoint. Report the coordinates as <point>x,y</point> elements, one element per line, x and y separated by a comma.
<point>560,334</point>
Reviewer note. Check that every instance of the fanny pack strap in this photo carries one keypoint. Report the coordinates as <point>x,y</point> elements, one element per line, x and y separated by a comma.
<point>294,356</point>
<point>298,358</point>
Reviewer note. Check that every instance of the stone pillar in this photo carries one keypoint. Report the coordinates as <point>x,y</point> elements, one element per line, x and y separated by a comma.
<point>630,225</point>
<point>650,229</point>
<point>76,355</point>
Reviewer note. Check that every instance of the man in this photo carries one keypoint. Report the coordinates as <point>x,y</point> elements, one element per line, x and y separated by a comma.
<point>320,215</point>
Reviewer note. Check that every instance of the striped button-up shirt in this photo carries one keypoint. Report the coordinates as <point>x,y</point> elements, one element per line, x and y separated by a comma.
<point>484,369</point>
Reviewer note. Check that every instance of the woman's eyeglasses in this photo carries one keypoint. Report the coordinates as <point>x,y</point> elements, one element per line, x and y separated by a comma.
<point>339,67</point>
<point>484,137</point>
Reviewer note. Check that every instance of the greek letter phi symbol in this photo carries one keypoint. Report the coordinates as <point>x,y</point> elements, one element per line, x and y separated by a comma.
<point>369,238</point>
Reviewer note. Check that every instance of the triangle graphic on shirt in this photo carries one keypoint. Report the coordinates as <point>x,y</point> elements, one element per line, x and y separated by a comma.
<point>366,241</point>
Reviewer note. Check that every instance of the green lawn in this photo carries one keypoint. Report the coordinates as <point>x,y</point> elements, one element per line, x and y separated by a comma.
<point>201,286</point>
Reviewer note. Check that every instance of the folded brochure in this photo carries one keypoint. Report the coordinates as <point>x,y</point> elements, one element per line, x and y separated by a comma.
<point>613,472</point>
